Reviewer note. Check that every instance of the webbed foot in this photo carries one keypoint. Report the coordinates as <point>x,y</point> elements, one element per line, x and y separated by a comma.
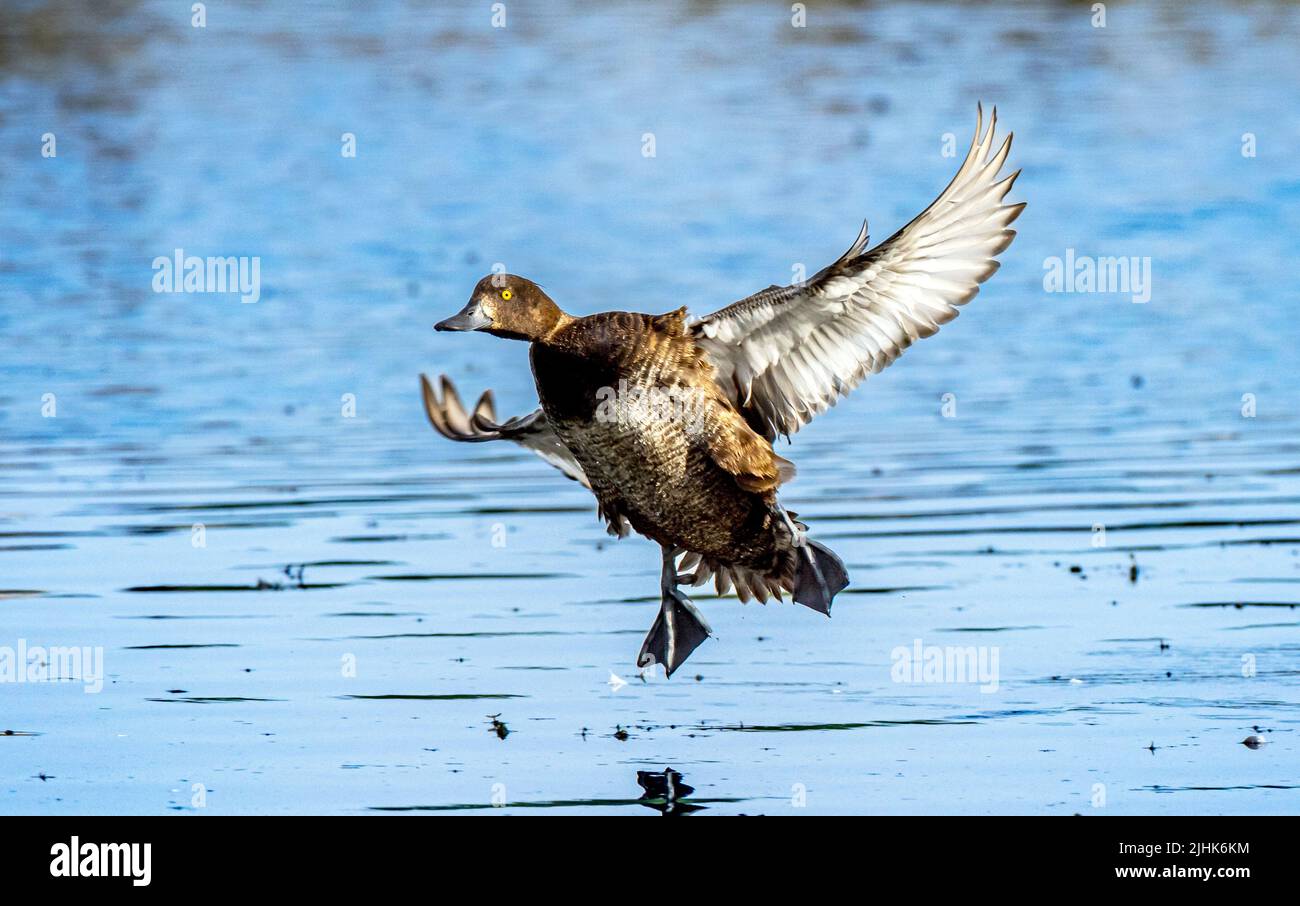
<point>679,628</point>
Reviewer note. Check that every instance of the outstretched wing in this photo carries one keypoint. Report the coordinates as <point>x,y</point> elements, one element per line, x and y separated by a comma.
<point>449,418</point>
<point>786,354</point>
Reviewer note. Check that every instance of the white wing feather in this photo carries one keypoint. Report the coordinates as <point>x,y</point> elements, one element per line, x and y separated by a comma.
<point>789,353</point>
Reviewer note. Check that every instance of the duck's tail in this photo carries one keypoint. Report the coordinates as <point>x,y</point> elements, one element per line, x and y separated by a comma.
<point>809,571</point>
<point>819,576</point>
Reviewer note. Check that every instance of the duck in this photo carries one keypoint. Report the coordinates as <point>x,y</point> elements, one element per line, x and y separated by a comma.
<point>670,420</point>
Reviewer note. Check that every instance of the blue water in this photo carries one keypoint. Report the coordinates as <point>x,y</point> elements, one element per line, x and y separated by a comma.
<point>1123,686</point>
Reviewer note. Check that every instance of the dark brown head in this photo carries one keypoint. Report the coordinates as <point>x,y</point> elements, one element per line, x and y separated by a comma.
<point>507,306</point>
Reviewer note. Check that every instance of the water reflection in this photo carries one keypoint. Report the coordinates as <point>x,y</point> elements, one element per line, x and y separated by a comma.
<point>665,792</point>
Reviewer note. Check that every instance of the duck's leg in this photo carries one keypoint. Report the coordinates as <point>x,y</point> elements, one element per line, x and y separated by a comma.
<point>820,574</point>
<point>678,629</point>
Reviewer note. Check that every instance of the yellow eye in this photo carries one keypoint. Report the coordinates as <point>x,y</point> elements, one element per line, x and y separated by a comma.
<point>506,294</point>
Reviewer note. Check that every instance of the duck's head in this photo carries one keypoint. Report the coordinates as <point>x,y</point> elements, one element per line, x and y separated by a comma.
<point>507,306</point>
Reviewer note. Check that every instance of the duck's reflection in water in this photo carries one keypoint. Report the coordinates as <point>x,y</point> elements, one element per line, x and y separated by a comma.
<point>665,793</point>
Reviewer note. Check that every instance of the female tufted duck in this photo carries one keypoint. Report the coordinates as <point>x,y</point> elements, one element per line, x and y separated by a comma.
<point>670,421</point>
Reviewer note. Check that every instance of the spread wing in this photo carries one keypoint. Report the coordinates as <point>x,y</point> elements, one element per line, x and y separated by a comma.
<point>448,417</point>
<point>787,354</point>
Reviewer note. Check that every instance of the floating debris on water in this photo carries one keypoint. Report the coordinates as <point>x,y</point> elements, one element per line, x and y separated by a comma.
<point>1253,742</point>
<point>498,726</point>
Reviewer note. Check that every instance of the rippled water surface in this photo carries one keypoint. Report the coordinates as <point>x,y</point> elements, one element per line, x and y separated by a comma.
<point>1099,515</point>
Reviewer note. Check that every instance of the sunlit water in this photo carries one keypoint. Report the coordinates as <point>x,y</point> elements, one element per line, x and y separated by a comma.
<point>468,581</point>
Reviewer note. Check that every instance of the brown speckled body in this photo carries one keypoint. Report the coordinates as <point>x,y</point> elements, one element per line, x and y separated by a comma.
<point>696,477</point>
